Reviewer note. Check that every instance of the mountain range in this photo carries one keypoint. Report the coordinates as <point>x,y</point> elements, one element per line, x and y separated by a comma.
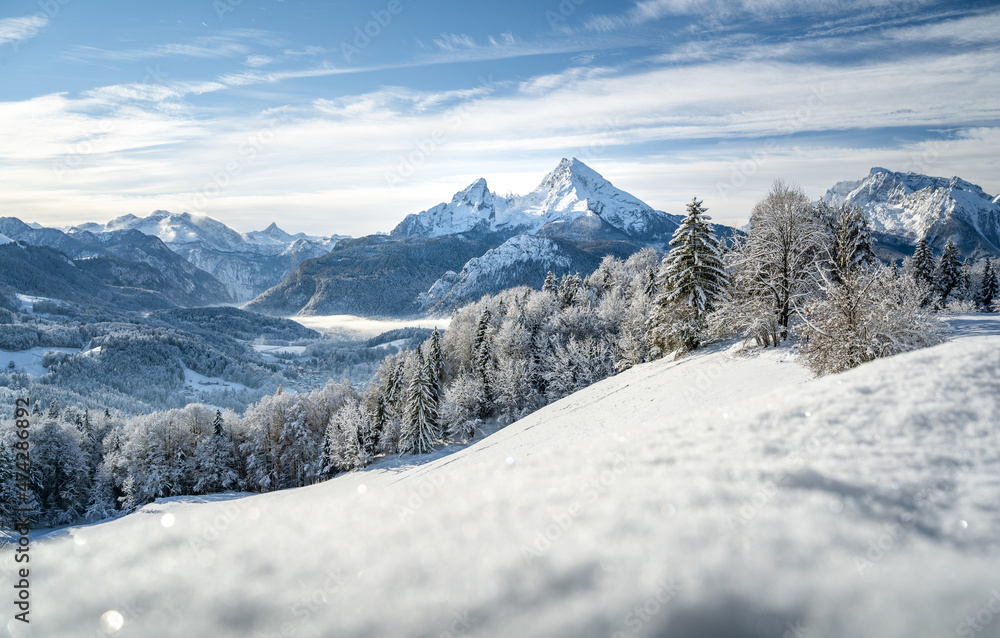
<point>246,264</point>
<point>914,206</point>
<point>477,243</point>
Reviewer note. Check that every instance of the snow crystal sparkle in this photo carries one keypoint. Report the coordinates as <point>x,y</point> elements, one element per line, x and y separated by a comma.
<point>112,621</point>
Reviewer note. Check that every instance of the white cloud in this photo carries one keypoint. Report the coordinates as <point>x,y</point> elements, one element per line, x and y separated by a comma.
<point>329,158</point>
<point>452,42</point>
<point>228,44</point>
<point>23,28</point>
<point>643,11</point>
<point>258,60</point>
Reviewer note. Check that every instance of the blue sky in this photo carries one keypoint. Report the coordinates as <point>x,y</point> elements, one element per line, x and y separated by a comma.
<point>343,117</point>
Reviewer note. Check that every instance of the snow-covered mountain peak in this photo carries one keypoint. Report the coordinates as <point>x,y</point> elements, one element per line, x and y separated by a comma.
<point>570,192</point>
<point>181,228</point>
<point>572,174</point>
<point>917,205</point>
<point>476,195</point>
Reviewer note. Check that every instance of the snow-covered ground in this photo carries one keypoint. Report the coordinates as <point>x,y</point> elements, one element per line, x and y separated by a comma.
<point>28,302</point>
<point>202,388</point>
<point>29,361</point>
<point>353,327</point>
<point>723,495</point>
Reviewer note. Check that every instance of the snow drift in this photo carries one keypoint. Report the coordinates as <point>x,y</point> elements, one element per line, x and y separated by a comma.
<point>718,495</point>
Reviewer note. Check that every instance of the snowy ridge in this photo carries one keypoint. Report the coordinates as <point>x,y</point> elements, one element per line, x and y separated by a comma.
<point>675,487</point>
<point>246,263</point>
<point>919,206</point>
<point>496,266</point>
<point>571,191</point>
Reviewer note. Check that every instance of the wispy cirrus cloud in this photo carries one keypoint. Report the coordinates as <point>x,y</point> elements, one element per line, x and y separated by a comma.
<point>455,41</point>
<point>22,28</point>
<point>643,11</point>
<point>229,44</point>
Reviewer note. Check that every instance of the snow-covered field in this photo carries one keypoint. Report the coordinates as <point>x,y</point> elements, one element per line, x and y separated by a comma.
<point>29,361</point>
<point>353,327</point>
<point>721,495</point>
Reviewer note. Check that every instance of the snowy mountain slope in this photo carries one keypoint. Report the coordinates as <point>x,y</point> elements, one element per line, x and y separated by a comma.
<point>369,276</point>
<point>715,496</point>
<point>40,271</point>
<point>570,192</point>
<point>127,258</point>
<point>247,264</point>
<point>918,206</point>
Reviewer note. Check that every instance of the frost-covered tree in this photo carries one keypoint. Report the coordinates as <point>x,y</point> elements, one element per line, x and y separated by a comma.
<point>482,363</point>
<point>989,288</point>
<point>948,277</point>
<point>774,267</point>
<point>215,459</point>
<point>461,406</point>
<point>691,279</point>
<point>923,263</point>
<point>870,314</point>
<point>569,289</point>
<point>60,473</point>
<point>350,442</point>
<point>850,239</point>
<point>420,421</point>
<point>551,283</point>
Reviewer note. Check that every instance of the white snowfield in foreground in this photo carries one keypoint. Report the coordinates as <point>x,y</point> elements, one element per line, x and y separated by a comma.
<point>717,496</point>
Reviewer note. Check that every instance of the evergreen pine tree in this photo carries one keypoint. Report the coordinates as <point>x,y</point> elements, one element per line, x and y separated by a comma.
<point>435,357</point>
<point>420,422</point>
<point>569,289</point>
<point>850,239</point>
<point>551,283</point>
<point>691,279</point>
<point>435,365</point>
<point>989,289</point>
<point>482,361</point>
<point>693,272</point>
<point>949,273</point>
<point>217,423</point>
<point>53,410</point>
<point>923,263</point>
